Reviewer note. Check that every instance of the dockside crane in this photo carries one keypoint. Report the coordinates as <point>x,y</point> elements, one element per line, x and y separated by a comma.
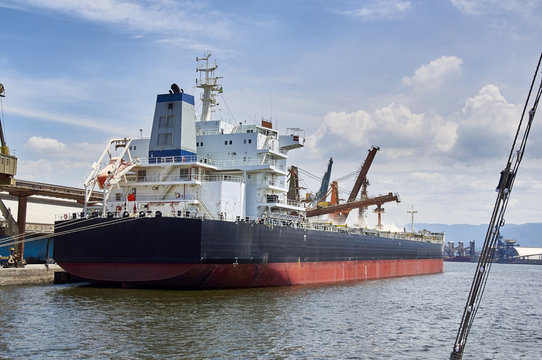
<point>8,162</point>
<point>381,199</point>
<point>361,183</point>
<point>322,193</point>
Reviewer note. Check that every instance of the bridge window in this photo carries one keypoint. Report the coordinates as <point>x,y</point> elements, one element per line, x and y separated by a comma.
<point>165,139</point>
<point>167,121</point>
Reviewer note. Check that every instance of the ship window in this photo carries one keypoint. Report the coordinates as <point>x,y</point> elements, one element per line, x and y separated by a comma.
<point>226,142</point>
<point>167,121</point>
<point>250,141</point>
<point>230,142</point>
<point>183,173</point>
<point>201,143</point>
<point>244,141</point>
<point>118,196</point>
<point>165,139</point>
<point>135,147</point>
<point>249,176</point>
<point>141,174</point>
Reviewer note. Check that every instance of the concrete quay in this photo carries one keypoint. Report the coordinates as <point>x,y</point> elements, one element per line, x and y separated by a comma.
<point>33,274</point>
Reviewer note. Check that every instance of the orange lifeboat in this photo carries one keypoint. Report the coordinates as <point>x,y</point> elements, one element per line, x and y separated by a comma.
<point>109,170</point>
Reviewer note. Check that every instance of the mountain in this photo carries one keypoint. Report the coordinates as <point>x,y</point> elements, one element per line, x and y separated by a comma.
<point>526,235</point>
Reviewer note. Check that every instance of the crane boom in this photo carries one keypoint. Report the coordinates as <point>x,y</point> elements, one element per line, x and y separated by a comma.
<point>352,205</point>
<point>325,184</point>
<point>360,181</point>
<point>363,173</point>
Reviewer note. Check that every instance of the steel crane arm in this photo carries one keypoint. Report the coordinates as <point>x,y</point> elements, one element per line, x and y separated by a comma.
<point>322,193</point>
<point>363,173</point>
<point>352,205</point>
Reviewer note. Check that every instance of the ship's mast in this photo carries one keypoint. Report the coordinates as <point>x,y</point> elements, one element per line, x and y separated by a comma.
<point>209,83</point>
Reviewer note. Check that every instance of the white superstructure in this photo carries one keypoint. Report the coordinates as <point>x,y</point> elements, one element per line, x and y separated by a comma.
<point>207,168</point>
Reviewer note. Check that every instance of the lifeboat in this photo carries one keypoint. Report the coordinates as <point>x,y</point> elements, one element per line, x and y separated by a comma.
<point>110,171</point>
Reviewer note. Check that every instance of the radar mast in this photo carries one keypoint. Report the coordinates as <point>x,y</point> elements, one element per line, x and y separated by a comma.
<point>209,83</point>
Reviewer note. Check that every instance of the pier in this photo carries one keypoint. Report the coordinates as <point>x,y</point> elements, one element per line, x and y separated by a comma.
<point>29,191</point>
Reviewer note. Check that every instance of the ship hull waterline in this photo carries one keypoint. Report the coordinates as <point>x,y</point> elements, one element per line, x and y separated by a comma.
<point>218,276</point>
<point>193,253</point>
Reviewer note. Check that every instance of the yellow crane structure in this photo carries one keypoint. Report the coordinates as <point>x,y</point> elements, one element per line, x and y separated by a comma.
<point>8,162</point>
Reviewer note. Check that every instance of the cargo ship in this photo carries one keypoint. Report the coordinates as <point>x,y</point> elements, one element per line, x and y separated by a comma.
<point>203,203</point>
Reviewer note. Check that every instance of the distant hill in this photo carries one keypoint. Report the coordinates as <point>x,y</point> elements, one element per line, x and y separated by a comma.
<point>527,235</point>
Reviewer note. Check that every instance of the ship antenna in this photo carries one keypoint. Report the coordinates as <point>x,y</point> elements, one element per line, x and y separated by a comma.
<point>209,83</point>
<point>412,212</point>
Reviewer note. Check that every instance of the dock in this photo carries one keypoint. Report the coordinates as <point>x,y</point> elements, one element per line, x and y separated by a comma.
<point>35,274</point>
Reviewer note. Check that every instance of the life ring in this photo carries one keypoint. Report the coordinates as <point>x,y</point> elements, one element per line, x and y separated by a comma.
<point>119,208</point>
<point>65,216</point>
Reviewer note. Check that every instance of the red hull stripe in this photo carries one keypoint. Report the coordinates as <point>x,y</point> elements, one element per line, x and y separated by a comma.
<point>251,275</point>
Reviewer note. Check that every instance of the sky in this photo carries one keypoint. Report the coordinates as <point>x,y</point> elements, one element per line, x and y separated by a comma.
<point>439,86</point>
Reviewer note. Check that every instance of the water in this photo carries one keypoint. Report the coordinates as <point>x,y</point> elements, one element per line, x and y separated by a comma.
<point>404,318</point>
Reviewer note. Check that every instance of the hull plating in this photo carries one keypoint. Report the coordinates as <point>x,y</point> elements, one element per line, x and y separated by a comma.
<point>191,253</point>
<point>212,276</point>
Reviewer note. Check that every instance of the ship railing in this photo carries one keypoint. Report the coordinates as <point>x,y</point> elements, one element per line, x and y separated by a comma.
<point>220,164</point>
<point>269,219</point>
<point>276,183</point>
<point>188,159</point>
<point>228,164</point>
<point>229,178</point>
<point>182,178</point>
<point>160,198</point>
<point>295,203</point>
<point>291,221</point>
<point>211,131</point>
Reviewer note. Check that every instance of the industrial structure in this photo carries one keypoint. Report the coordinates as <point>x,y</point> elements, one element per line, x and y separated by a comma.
<point>460,253</point>
<point>8,162</point>
<point>509,251</point>
<point>338,212</point>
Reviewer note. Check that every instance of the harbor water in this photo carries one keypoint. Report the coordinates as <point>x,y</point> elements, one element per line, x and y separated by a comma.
<point>401,318</point>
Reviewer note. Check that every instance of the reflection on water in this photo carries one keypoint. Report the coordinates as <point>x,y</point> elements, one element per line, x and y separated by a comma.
<point>404,318</point>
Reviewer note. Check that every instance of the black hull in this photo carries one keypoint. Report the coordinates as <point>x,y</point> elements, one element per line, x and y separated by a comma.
<point>168,246</point>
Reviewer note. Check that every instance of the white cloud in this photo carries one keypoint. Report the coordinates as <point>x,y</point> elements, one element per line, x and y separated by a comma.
<point>33,170</point>
<point>435,72</point>
<point>380,9</point>
<point>488,111</point>
<point>394,127</point>
<point>45,145</point>
<point>74,120</point>
<point>525,8</point>
<point>149,17</point>
<point>65,164</point>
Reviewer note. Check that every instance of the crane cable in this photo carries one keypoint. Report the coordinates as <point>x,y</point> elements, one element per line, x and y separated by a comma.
<point>504,189</point>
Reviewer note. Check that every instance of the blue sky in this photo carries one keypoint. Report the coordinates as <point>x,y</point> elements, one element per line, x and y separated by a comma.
<point>438,85</point>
